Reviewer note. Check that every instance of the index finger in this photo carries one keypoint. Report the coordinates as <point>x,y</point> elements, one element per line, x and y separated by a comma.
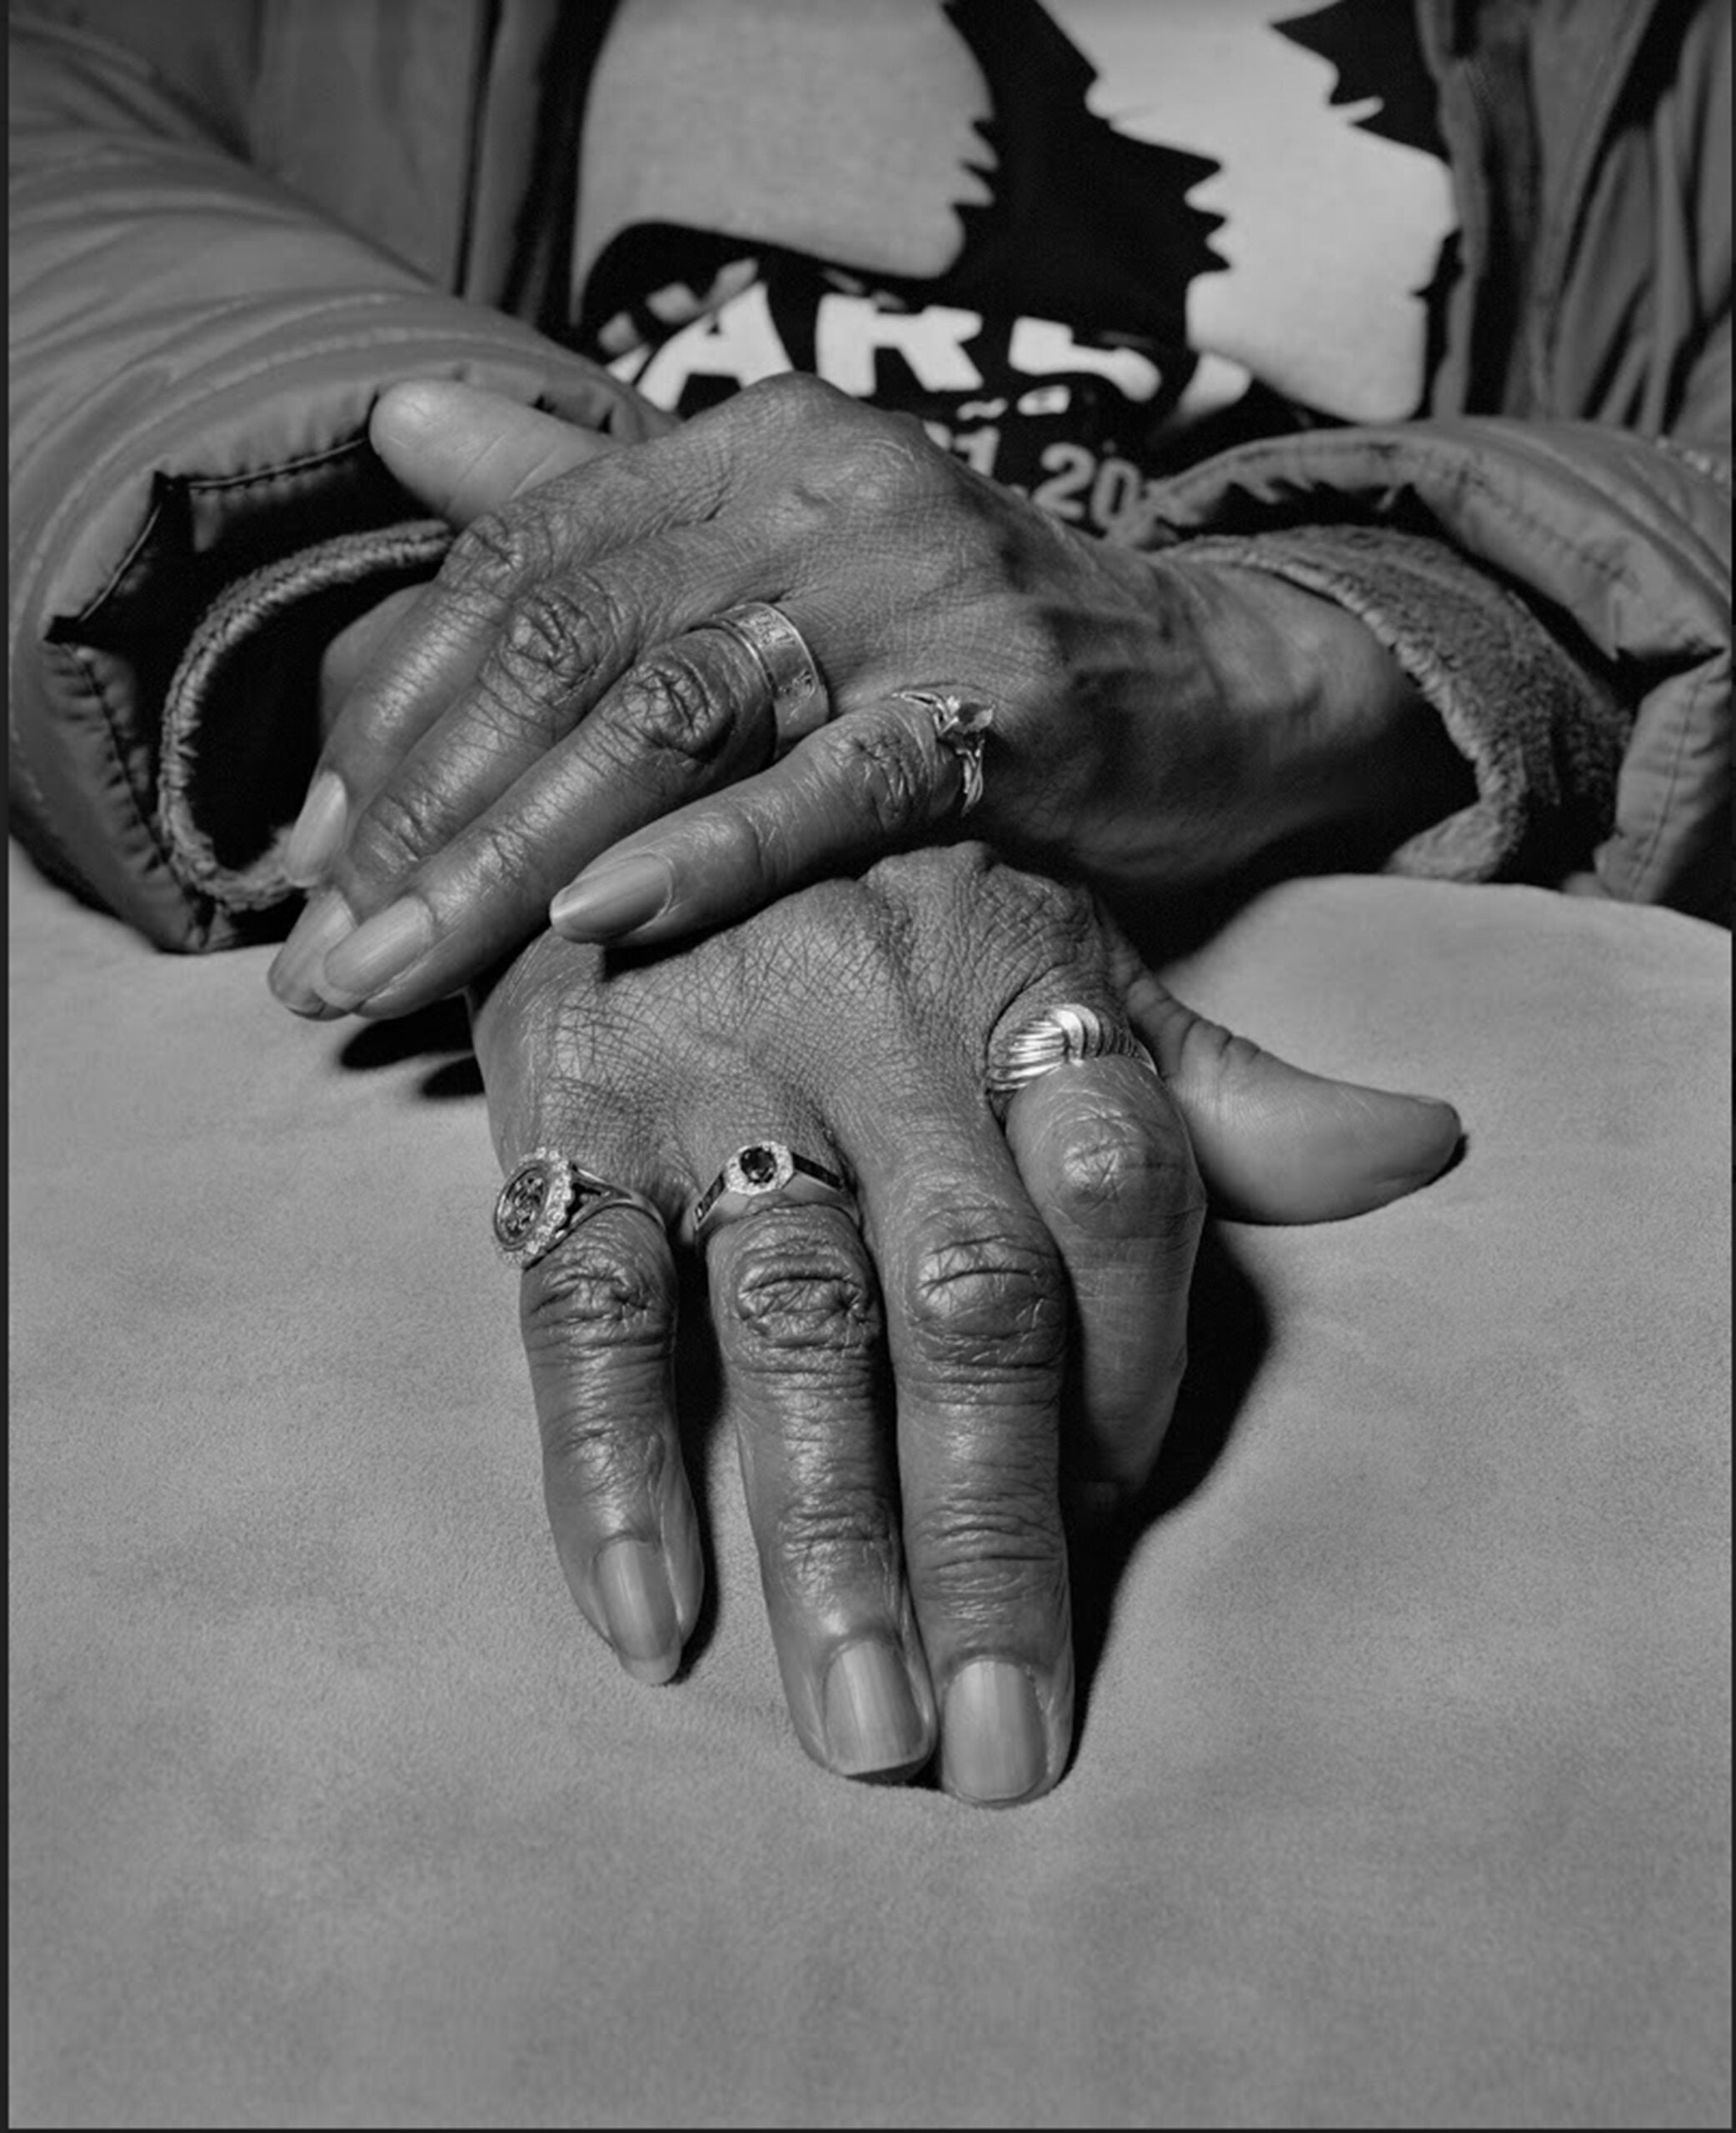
<point>597,1314</point>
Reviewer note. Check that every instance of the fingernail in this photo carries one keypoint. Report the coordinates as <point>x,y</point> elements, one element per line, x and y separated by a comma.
<point>322,924</point>
<point>993,1746</point>
<point>318,830</point>
<point>612,897</point>
<point>381,948</point>
<point>871,1720</point>
<point>633,1586</point>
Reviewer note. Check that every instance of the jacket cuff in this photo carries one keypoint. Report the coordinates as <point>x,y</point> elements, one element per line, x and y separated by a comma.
<point>1540,724</point>
<point>239,737</point>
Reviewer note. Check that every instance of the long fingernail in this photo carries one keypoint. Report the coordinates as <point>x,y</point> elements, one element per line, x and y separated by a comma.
<point>871,1720</point>
<point>325,921</point>
<point>318,832</point>
<point>381,949</point>
<point>633,1584</point>
<point>994,1748</point>
<point>612,897</point>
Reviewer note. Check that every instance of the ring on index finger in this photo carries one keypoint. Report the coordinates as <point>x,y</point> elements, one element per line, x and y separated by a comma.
<point>546,1197</point>
<point>800,702</point>
<point>766,1174</point>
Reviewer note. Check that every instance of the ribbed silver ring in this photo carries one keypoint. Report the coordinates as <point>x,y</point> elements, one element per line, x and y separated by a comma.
<point>800,703</point>
<point>1059,1037</point>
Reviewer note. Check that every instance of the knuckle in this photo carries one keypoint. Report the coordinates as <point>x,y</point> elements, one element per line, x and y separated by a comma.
<point>399,828</point>
<point>495,551</point>
<point>888,767</point>
<point>874,462</point>
<point>992,1299</point>
<point>603,1457</point>
<point>551,641</point>
<point>793,398</point>
<point>672,704</point>
<point>585,1298</point>
<point>818,1541</point>
<point>1059,918</point>
<point>985,1556</point>
<point>1044,930</point>
<point>890,468</point>
<point>1115,1170</point>
<point>790,1298</point>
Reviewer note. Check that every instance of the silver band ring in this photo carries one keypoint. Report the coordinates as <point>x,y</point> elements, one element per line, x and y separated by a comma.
<point>961,727</point>
<point>800,703</point>
<point>1059,1037</point>
<point>546,1197</point>
<point>766,1174</point>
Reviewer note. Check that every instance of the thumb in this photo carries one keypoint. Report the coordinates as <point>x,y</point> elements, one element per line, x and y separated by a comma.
<point>1275,1144</point>
<point>462,452</point>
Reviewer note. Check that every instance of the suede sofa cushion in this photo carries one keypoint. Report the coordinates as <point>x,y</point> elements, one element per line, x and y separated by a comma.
<point>1401,1792</point>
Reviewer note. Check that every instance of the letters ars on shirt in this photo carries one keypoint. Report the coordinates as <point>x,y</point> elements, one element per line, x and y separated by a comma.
<point>1097,220</point>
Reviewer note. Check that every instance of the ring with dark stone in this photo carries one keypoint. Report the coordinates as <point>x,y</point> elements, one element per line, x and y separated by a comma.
<point>766,1174</point>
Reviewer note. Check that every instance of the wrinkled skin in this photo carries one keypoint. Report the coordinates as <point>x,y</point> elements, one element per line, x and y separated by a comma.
<point>912,1401</point>
<point>1159,719</point>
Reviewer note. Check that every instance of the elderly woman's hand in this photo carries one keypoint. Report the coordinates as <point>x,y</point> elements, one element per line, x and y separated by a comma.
<point>913,1397</point>
<point>1157,720</point>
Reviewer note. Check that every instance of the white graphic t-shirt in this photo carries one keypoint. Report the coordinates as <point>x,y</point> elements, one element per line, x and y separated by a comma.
<point>1084,241</point>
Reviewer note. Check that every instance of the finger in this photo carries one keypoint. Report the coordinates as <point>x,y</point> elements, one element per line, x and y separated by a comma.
<point>977,1314</point>
<point>695,711</point>
<point>1275,1143</point>
<point>597,1315</point>
<point>345,660</point>
<point>554,661</point>
<point>860,786</point>
<point>797,1313</point>
<point>1104,1158</point>
<point>462,450</point>
<point>535,552</point>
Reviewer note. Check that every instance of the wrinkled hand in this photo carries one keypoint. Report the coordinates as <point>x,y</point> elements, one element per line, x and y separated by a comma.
<point>549,695</point>
<point>912,1399</point>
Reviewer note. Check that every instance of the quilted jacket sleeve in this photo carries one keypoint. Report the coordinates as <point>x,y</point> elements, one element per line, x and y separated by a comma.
<point>1560,591</point>
<point>194,353</point>
<point>1557,581</point>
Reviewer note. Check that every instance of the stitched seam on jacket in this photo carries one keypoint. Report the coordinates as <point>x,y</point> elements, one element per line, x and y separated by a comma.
<point>1715,470</point>
<point>205,382</point>
<point>1454,459</point>
<point>135,443</point>
<point>112,725</point>
<point>240,612</point>
<point>450,346</point>
<point>204,485</point>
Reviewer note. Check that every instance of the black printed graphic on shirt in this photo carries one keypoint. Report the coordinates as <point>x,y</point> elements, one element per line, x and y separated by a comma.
<point>1056,351</point>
